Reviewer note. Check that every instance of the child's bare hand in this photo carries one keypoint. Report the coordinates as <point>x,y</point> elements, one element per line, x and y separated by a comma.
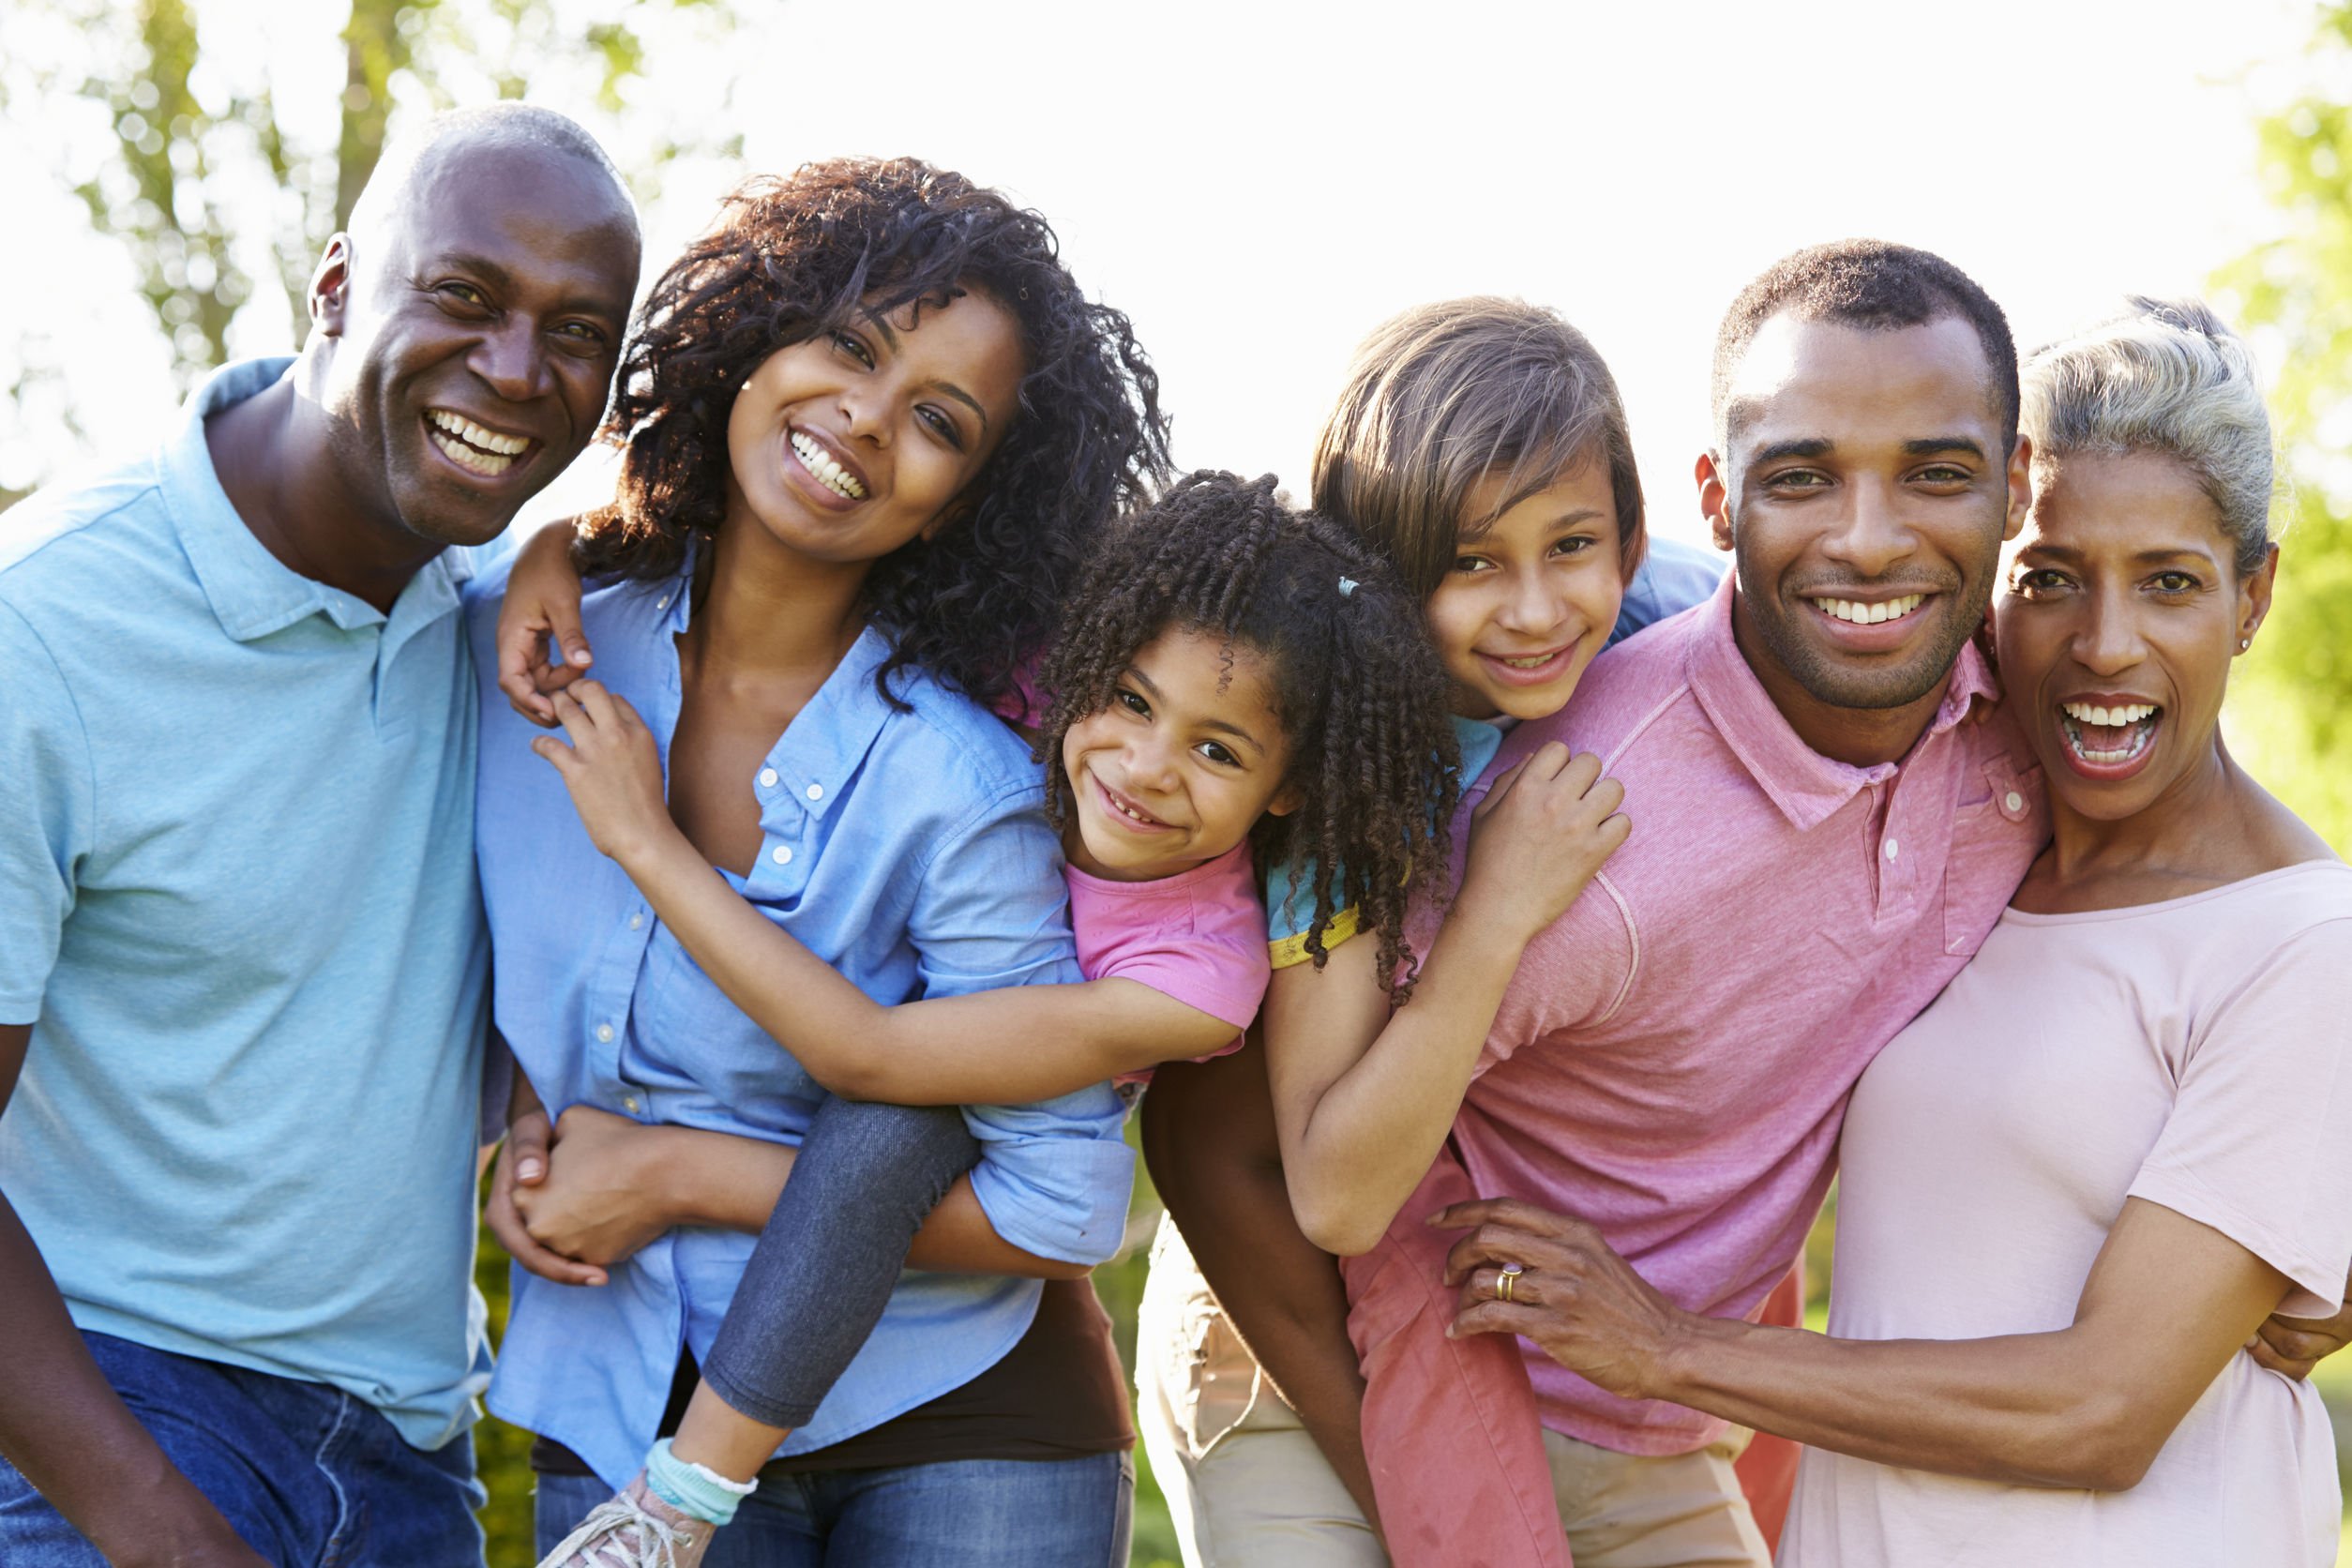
<point>542,601</point>
<point>613,769</point>
<point>1540,835</point>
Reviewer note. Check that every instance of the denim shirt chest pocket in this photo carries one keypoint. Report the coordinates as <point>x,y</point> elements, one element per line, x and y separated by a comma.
<point>1996,831</point>
<point>842,906</point>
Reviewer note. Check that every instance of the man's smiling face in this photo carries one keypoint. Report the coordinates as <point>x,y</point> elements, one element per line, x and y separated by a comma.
<point>476,318</point>
<point>1869,485</point>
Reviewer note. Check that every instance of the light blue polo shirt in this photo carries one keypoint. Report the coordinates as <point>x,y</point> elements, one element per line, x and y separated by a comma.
<point>237,893</point>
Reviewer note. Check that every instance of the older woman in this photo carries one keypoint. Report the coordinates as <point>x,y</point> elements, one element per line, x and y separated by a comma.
<point>2122,1138</point>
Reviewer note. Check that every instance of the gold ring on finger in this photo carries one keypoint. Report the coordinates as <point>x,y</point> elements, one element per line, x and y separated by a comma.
<point>1506,1281</point>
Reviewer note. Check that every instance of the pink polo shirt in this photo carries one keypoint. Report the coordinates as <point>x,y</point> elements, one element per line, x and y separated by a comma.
<point>1673,1058</point>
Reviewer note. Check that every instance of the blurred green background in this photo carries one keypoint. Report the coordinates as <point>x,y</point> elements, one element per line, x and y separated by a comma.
<point>191,162</point>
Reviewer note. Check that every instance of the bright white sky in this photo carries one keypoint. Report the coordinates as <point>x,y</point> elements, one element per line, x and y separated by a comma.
<point>1259,184</point>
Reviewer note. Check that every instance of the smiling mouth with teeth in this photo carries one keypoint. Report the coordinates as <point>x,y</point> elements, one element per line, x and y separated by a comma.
<point>814,457</point>
<point>2104,736</point>
<point>1863,614</point>
<point>471,447</point>
<point>1119,807</point>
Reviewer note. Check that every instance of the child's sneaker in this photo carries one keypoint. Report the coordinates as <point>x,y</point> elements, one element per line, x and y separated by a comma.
<point>635,1529</point>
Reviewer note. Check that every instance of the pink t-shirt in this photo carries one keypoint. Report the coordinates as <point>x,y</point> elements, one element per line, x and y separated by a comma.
<point>1673,1059</point>
<point>2197,1053</point>
<point>1199,936</point>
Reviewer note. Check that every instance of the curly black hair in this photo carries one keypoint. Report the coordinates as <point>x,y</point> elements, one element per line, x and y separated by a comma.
<point>1359,694</point>
<point>849,239</point>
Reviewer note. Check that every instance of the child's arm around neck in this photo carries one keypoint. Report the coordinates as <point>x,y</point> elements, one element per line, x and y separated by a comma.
<point>1365,1098</point>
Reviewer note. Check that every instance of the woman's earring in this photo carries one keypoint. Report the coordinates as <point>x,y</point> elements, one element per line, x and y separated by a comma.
<point>2244,643</point>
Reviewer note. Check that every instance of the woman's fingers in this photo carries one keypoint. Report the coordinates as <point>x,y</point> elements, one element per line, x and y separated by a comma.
<point>1524,1286</point>
<point>1493,1316</point>
<point>563,618</point>
<point>504,1216</point>
<point>522,667</point>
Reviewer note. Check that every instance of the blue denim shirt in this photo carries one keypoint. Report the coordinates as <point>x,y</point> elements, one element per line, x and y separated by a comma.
<point>909,850</point>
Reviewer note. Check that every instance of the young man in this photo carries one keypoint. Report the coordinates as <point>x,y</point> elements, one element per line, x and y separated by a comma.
<point>241,962</point>
<point>1824,834</point>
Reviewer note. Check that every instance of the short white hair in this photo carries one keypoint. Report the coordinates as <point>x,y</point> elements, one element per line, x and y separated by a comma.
<point>2164,377</point>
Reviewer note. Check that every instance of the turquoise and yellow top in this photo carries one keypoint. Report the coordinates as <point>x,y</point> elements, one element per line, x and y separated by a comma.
<point>1674,577</point>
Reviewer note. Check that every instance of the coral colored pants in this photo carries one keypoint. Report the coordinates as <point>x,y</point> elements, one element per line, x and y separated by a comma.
<point>1450,1425</point>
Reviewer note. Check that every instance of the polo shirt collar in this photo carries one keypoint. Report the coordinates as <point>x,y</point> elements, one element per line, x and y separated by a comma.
<point>251,591</point>
<point>1807,787</point>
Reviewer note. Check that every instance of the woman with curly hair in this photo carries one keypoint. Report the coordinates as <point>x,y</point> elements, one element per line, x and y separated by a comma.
<point>869,426</point>
<point>1232,678</point>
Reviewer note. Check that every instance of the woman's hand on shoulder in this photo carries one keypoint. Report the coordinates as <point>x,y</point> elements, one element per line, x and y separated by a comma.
<point>613,770</point>
<point>542,601</point>
<point>1539,837</point>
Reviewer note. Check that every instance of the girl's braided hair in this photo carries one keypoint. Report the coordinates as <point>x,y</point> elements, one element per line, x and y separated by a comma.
<point>1360,696</point>
<point>848,240</point>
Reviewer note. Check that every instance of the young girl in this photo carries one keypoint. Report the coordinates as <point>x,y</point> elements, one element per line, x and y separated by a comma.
<point>1229,675</point>
<point>871,423</point>
<point>1479,444</point>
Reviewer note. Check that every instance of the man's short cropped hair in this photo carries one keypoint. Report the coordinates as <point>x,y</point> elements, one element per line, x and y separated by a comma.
<point>1875,286</point>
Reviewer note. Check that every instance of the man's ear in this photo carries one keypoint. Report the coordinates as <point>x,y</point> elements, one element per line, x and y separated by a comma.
<point>329,294</point>
<point>1714,497</point>
<point>2020,486</point>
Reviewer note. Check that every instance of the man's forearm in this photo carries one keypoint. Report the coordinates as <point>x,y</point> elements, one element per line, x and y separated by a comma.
<point>1208,1138</point>
<point>63,1425</point>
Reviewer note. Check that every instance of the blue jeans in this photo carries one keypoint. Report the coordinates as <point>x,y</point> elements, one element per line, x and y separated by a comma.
<point>306,1473</point>
<point>959,1514</point>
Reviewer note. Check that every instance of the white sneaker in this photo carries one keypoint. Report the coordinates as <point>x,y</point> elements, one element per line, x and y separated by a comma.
<point>635,1530</point>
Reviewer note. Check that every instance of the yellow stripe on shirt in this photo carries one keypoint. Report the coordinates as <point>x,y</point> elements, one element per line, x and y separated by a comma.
<point>1286,951</point>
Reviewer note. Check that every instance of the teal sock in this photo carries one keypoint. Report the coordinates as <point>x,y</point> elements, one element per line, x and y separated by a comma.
<point>693,1488</point>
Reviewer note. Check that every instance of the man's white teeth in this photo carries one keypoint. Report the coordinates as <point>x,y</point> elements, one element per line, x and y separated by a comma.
<point>488,464</point>
<point>1871,614</point>
<point>814,457</point>
<point>488,441</point>
<point>2130,713</point>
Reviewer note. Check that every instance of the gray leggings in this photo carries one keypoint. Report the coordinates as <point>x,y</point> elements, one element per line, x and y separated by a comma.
<point>816,1283</point>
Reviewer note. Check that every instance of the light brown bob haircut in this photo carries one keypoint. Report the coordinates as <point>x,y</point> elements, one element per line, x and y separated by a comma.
<point>1443,395</point>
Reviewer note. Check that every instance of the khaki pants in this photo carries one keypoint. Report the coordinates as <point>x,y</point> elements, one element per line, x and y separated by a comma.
<point>1262,1495</point>
<point>1249,1488</point>
<point>1244,1483</point>
<point>1675,1510</point>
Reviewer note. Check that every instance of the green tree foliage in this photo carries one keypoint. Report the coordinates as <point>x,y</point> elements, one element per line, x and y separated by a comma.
<point>2293,701</point>
<point>221,162</point>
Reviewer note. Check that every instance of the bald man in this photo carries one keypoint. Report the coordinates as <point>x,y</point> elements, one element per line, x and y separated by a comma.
<point>242,994</point>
